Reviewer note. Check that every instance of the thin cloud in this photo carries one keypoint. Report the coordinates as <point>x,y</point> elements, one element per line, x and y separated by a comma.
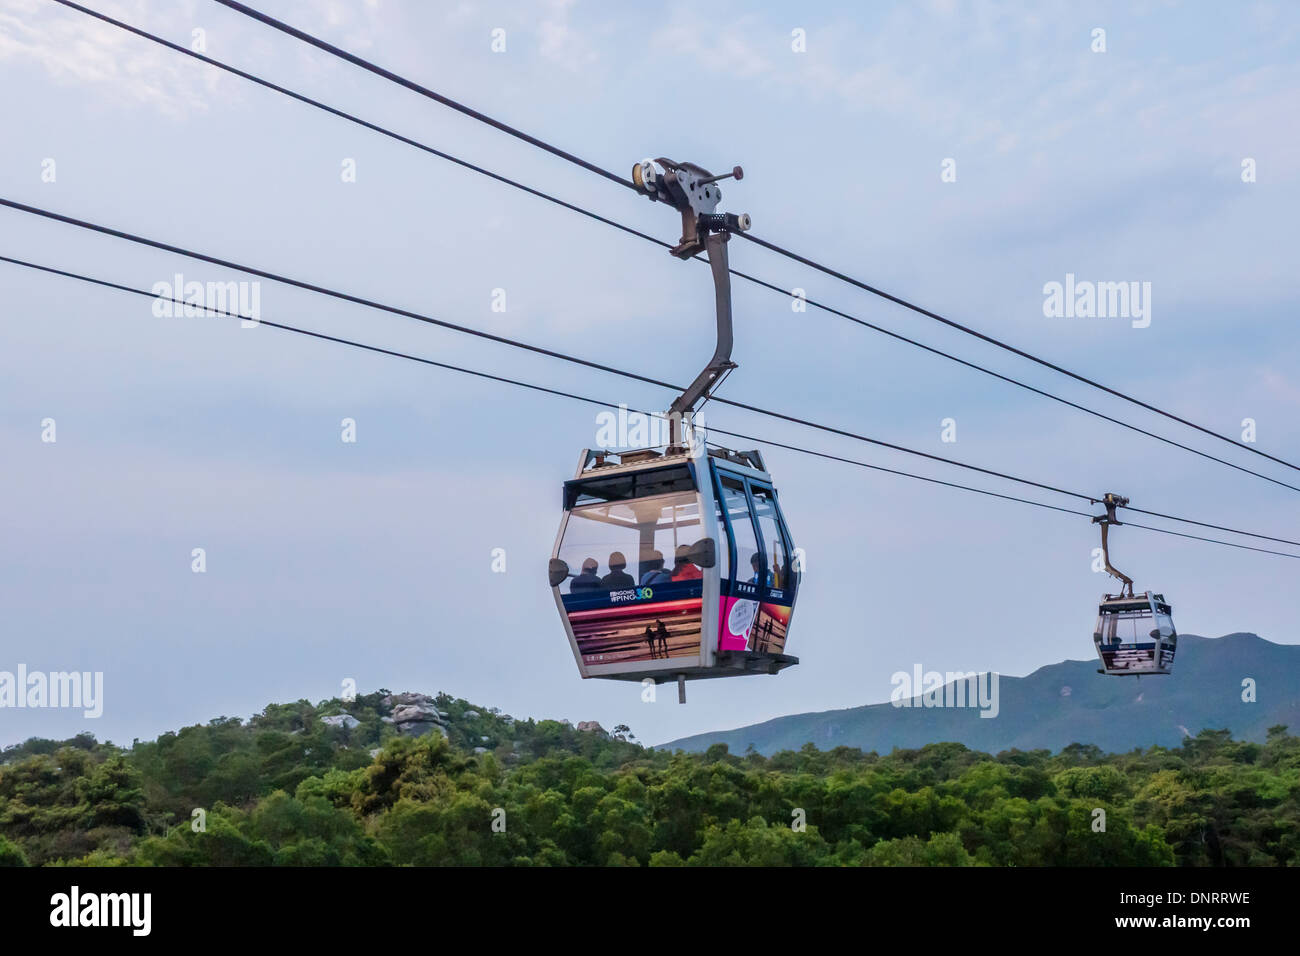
<point>78,50</point>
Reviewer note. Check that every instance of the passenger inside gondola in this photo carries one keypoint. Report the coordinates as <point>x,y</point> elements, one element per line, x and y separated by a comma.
<point>683,568</point>
<point>756,562</point>
<point>618,579</point>
<point>654,570</point>
<point>587,580</point>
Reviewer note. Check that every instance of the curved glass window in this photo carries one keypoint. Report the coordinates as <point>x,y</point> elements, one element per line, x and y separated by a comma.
<point>616,545</point>
<point>748,552</point>
<point>1165,623</point>
<point>776,557</point>
<point>1126,626</point>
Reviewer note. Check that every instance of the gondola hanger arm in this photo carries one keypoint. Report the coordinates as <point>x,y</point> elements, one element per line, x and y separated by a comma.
<point>1112,501</point>
<point>693,191</point>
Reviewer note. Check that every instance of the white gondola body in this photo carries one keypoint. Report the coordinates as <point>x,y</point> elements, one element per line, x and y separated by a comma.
<point>1135,635</point>
<point>667,610</point>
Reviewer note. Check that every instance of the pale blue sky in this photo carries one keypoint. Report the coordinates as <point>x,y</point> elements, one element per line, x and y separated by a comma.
<point>372,561</point>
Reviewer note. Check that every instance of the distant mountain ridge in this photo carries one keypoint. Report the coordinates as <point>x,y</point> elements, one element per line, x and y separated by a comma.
<point>1065,703</point>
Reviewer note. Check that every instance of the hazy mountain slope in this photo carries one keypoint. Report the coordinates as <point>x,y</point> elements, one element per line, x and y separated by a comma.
<point>1067,703</point>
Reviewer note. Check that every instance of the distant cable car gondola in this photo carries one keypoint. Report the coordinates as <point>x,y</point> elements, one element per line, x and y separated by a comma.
<point>1135,633</point>
<point>675,562</point>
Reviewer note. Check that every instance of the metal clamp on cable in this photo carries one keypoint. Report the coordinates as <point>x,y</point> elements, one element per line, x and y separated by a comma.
<point>693,191</point>
<point>725,222</point>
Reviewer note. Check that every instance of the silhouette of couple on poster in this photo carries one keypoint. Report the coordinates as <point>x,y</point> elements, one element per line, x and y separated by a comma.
<point>659,635</point>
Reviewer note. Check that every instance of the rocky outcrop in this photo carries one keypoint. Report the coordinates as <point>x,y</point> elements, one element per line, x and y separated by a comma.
<point>591,727</point>
<point>346,721</point>
<point>415,714</point>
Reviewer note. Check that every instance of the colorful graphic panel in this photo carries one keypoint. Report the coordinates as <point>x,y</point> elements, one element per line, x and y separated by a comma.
<point>1135,657</point>
<point>735,621</point>
<point>746,623</point>
<point>634,626</point>
<point>770,628</point>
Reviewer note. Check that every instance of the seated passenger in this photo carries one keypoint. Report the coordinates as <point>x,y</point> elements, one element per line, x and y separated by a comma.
<point>655,573</point>
<point>683,568</point>
<point>618,578</point>
<point>756,562</point>
<point>587,580</point>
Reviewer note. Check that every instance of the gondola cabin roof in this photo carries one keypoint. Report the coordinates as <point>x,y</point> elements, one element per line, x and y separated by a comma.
<point>598,462</point>
<point>1118,603</point>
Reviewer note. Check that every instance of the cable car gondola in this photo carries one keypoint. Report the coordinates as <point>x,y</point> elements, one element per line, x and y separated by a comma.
<point>675,562</point>
<point>1134,633</point>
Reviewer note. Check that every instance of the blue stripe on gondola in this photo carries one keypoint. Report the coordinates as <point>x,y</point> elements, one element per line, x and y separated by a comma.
<point>673,591</point>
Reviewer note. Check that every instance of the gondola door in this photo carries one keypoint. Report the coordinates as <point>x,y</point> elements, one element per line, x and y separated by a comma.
<point>775,573</point>
<point>759,579</point>
<point>738,601</point>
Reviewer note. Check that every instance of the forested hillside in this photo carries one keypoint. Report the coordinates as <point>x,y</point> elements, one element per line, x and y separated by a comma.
<point>1065,703</point>
<point>289,787</point>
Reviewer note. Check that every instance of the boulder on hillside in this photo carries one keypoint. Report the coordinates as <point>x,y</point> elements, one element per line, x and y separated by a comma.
<point>591,727</point>
<point>415,714</point>
<point>409,712</point>
<point>418,728</point>
<point>407,697</point>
